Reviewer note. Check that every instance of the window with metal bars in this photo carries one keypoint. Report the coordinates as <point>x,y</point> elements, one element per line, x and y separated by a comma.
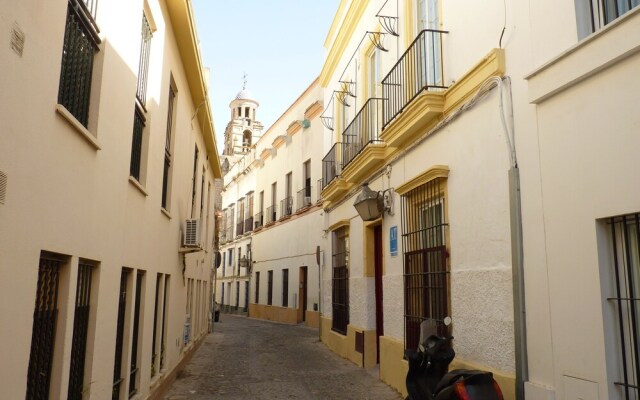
<point>136,144</point>
<point>154,349</point>
<point>257,298</point>
<point>163,332</point>
<point>80,329</point>
<point>593,15</point>
<point>135,367</point>
<point>285,288</point>
<point>44,327</point>
<point>625,275</point>
<point>122,305</point>
<point>81,42</point>
<point>340,280</point>
<point>426,273</point>
<point>269,287</point>
<point>143,67</point>
<point>166,174</point>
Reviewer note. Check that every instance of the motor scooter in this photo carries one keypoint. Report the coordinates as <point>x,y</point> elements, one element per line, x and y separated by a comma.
<point>428,377</point>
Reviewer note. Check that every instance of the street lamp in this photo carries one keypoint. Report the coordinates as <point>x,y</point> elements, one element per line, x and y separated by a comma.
<point>371,205</point>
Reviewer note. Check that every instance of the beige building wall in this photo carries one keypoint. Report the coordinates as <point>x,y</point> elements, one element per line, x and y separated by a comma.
<point>68,192</point>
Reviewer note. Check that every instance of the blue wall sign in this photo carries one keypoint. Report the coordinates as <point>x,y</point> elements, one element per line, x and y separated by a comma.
<point>393,240</point>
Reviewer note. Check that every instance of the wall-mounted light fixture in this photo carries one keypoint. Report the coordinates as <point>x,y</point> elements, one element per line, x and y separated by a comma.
<point>304,123</point>
<point>372,205</point>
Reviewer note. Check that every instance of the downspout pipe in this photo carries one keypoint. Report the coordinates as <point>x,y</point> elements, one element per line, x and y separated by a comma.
<point>517,253</point>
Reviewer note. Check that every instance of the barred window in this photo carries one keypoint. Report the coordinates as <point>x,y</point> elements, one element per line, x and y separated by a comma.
<point>143,67</point>
<point>340,280</point>
<point>285,288</point>
<point>136,144</point>
<point>426,274</point>
<point>593,15</point>
<point>166,174</point>
<point>269,287</point>
<point>122,306</point>
<point>625,275</point>
<point>80,331</point>
<point>80,45</point>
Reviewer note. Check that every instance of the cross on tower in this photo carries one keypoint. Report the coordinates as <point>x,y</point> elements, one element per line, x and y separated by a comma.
<point>244,81</point>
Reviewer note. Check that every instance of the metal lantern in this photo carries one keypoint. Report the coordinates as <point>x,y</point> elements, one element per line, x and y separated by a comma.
<point>369,204</point>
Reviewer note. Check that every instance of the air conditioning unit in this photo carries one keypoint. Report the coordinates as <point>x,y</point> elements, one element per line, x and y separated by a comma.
<point>191,237</point>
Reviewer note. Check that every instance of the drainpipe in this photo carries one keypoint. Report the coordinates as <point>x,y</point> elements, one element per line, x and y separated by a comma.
<point>517,254</point>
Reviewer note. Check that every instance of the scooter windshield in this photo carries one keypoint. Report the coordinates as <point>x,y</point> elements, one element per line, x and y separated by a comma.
<point>428,328</point>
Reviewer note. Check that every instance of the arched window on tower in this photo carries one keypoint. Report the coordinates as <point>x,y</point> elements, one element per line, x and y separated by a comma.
<point>246,112</point>
<point>246,140</point>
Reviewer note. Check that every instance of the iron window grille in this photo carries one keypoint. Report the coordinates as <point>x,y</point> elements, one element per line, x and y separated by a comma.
<point>163,333</point>
<point>143,67</point>
<point>426,273</point>
<point>269,287</point>
<point>136,144</point>
<point>133,373</point>
<point>122,305</point>
<point>167,148</point>
<point>257,299</point>
<point>44,328</point>
<point>595,14</point>
<point>286,206</point>
<point>237,295</point>
<point>80,329</point>
<point>154,353</point>
<point>625,247</point>
<point>285,288</point>
<point>81,42</point>
<point>340,281</point>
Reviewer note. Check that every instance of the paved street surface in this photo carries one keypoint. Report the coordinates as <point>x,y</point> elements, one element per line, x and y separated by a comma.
<point>251,359</point>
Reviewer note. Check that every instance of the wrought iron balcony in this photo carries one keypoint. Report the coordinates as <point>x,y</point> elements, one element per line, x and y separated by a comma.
<point>419,68</point>
<point>239,228</point>
<point>303,198</point>
<point>271,214</point>
<point>364,129</point>
<point>332,164</point>
<point>319,186</point>
<point>248,225</point>
<point>286,206</point>
<point>258,220</point>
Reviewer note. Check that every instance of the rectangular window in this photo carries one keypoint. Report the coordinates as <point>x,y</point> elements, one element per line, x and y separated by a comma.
<point>143,66</point>
<point>44,327</point>
<point>237,295</point>
<point>202,195</point>
<point>269,287</point>
<point>257,298</point>
<point>80,46</point>
<point>340,280</point>
<point>194,184</point>
<point>80,330</point>
<point>624,293</point>
<point>426,274</point>
<point>122,305</point>
<point>164,326</point>
<point>593,15</point>
<point>285,288</point>
<point>374,73</point>
<point>135,345</point>
<point>166,175</point>
<point>154,349</point>
<point>136,144</point>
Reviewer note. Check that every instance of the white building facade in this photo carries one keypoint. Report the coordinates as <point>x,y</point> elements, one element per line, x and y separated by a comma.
<point>106,198</point>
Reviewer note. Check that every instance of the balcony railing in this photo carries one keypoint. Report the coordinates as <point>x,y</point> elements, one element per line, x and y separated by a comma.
<point>286,206</point>
<point>271,214</point>
<point>364,129</point>
<point>332,164</point>
<point>248,225</point>
<point>239,228</point>
<point>419,68</point>
<point>258,220</point>
<point>303,198</point>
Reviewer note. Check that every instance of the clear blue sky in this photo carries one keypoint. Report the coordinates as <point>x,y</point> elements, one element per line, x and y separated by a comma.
<point>278,43</point>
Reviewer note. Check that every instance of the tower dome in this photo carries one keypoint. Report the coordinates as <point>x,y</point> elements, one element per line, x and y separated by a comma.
<point>244,95</point>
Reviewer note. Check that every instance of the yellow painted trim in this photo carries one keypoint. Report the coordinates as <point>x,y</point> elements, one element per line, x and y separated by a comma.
<point>335,23</point>
<point>437,171</point>
<point>278,141</point>
<point>313,110</point>
<point>344,345</point>
<point>340,224</point>
<point>312,319</point>
<point>506,381</point>
<point>409,22</point>
<point>393,367</point>
<point>265,154</point>
<point>368,240</point>
<point>335,189</point>
<point>184,30</point>
<point>347,27</point>
<point>493,64</point>
<point>293,128</point>
<point>285,315</point>
<point>420,115</point>
<point>370,158</point>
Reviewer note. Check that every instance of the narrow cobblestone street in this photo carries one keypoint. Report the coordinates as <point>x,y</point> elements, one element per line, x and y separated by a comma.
<point>250,359</point>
